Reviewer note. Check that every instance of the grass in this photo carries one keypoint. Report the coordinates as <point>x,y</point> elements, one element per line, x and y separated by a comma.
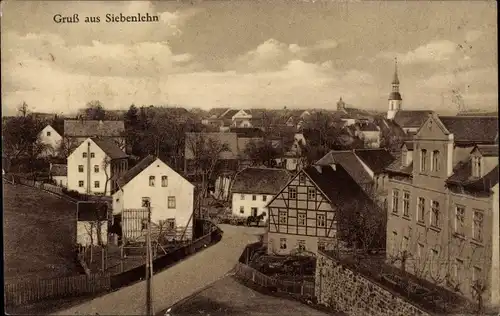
<point>230,297</point>
<point>39,234</point>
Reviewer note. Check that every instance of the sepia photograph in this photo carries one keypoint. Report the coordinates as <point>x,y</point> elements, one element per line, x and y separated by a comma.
<point>302,157</point>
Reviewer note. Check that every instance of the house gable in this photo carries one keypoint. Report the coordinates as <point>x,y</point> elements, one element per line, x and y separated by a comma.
<point>432,128</point>
<point>241,114</point>
<point>303,203</point>
<point>77,153</point>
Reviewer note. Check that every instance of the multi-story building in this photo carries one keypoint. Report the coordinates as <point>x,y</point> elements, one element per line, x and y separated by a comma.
<point>253,188</point>
<point>152,183</point>
<point>443,219</point>
<point>303,215</point>
<point>79,130</point>
<point>94,166</point>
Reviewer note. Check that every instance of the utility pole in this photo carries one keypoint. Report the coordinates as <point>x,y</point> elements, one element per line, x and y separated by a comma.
<point>149,266</point>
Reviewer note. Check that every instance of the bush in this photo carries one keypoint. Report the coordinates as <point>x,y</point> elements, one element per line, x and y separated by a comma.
<point>73,194</point>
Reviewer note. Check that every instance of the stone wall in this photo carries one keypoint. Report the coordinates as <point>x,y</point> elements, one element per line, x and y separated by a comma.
<point>348,291</point>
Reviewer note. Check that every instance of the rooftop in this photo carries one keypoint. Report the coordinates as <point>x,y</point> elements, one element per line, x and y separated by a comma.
<point>411,119</point>
<point>85,128</point>
<point>260,180</point>
<point>110,147</point>
<point>376,159</point>
<point>349,162</point>
<point>58,170</point>
<point>135,170</point>
<point>472,129</point>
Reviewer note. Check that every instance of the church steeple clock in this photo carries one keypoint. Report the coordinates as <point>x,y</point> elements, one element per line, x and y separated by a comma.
<point>395,99</point>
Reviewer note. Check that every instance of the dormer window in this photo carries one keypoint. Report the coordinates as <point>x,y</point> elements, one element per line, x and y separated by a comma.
<point>476,167</point>
<point>404,156</point>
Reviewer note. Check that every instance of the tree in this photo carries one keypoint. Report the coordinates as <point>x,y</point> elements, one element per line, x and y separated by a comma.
<point>66,147</point>
<point>23,109</point>
<point>95,111</point>
<point>262,152</point>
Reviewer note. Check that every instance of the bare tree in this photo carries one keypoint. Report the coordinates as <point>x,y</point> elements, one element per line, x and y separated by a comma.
<point>66,147</point>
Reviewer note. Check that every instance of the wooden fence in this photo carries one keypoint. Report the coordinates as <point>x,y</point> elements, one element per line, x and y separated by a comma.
<point>303,288</point>
<point>44,186</point>
<point>30,291</point>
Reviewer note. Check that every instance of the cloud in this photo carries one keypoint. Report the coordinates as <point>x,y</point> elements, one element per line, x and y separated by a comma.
<point>434,51</point>
<point>472,36</point>
<point>273,54</point>
<point>466,79</point>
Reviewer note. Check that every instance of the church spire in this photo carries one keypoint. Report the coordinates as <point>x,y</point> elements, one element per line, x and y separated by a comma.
<point>395,79</point>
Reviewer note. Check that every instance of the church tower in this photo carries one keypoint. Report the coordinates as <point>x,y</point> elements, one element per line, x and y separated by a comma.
<point>395,99</point>
<point>340,105</point>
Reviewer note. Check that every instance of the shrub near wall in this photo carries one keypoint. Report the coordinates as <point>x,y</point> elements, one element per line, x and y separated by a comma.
<point>350,292</point>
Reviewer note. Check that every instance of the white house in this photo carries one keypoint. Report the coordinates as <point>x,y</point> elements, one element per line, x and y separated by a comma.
<point>369,133</point>
<point>93,163</point>
<point>59,173</point>
<point>88,217</point>
<point>253,188</point>
<point>50,137</point>
<point>242,119</point>
<point>169,195</point>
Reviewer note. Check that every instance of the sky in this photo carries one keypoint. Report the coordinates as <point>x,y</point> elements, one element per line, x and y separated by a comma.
<point>250,54</point>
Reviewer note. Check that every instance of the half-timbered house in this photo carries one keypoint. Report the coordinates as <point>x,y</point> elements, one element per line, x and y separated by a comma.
<point>303,215</point>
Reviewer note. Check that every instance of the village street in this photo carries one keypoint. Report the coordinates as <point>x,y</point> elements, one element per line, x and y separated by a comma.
<point>177,282</point>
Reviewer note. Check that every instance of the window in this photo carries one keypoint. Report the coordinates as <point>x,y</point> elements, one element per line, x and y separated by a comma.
<point>459,220</point>
<point>254,197</point>
<point>80,168</point>
<point>458,271</point>
<point>282,243</point>
<point>96,184</point>
<point>301,219</point>
<point>146,201</point>
<point>476,167</point>
<point>435,161</point>
<point>96,168</point>
<point>80,184</point>
<point>292,193</point>
<point>283,217</point>
<point>242,197</point>
<point>423,160</point>
<point>84,155</point>
<point>435,213</point>
<point>242,210</point>
<point>477,225</point>
<point>311,194</point>
<point>171,202</point>
<point>164,181</point>
<point>151,181</point>
<point>92,155</point>
<point>406,204</point>
<point>170,223</point>
<point>395,201</point>
<point>302,179</point>
<point>421,209</point>
<point>321,220</point>
<point>264,198</point>
<point>48,133</point>
<point>301,244</point>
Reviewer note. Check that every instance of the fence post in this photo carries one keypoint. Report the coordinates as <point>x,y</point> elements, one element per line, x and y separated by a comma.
<point>302,289</point>
<point>253,275</point>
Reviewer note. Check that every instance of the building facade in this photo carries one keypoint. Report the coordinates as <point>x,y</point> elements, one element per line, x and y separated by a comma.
<point>52,139</point>
<point>94,165</point>
<point>170,196</point>
<point>439,227</point>
<point>253,188</point>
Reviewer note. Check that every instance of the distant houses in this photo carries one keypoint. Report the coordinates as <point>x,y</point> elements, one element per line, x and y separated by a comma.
<point>94,165</point>
<point>152,183</point>
<point>253,188</point>
<point>52,139</point>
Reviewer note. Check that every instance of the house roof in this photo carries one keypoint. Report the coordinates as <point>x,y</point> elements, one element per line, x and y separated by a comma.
<point>216,112</point>
<point>376,159</point>
<point>260,180</point>
<point>247,132</point>
<point>231,139</point>
<point>410,119</point>
<point>110,147</point>
<point>88,211</point>
<point>472,128</point>
<point>488,150</point>
<point>135,170</point>
<point>84,128</point>
<point>338,186</point>
<point>228,114</point>
<point>349,162</point>
<point>397,167</point>
<point>462,175</point>
<point>59,170</point>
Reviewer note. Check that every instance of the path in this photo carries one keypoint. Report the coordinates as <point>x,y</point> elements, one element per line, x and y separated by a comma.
<point>177,282</point>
